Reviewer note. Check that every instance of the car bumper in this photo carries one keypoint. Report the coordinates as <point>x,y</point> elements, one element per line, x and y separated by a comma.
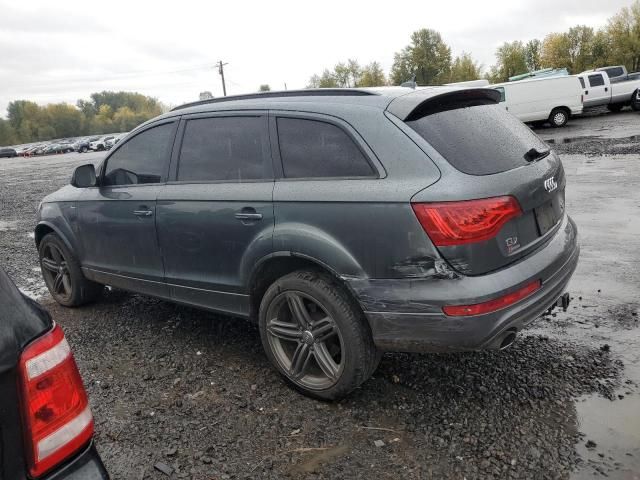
<point>86,466</point>
<point>406,314</point>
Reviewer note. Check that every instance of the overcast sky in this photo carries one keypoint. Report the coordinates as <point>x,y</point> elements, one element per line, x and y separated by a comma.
<point>67,49</point>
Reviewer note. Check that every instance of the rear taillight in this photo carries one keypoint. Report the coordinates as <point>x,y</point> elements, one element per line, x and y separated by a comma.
<point>55,409</point>
<point>469,221</point>
<point>492,305</point>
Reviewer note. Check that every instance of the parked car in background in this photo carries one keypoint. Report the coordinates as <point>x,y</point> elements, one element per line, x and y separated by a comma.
<point>8,152</point>
<point>550,99</point>
<point>360,221</point>
<point>100,143</point>
<point>82,144</point>
<point>598,90</point>
<point>617,73</point>
<point>46,425</point>
<point>109,144</point>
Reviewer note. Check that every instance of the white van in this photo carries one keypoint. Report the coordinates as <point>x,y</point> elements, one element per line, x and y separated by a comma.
<point>552,100</point>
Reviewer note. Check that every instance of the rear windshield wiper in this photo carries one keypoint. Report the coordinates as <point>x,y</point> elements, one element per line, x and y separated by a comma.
<point>535,154</point>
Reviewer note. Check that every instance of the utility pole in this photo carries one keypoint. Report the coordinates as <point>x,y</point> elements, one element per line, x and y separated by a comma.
<point>221,72</point>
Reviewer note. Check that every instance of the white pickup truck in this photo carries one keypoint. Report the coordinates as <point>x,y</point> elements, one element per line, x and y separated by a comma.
<point>599,90</point>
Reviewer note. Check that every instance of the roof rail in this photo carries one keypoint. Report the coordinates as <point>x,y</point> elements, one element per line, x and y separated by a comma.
<point>311,92</point>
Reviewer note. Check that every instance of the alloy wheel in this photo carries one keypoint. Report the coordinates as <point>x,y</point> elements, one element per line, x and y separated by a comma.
<point>56,271</point>
<point>305,340</point>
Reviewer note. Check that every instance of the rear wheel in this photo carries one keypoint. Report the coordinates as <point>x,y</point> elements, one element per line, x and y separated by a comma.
<point>62,274</point>
<point>559,117</point>
<point>635,101</point>
<point>615,107</point>
<point>316,335</point>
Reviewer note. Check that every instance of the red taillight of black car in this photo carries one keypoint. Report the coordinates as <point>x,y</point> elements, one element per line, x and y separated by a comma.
<point>55,408</point>
<point>469,221</point>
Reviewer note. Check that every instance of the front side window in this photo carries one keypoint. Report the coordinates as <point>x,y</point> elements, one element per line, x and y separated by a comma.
<point>228,149</point>
<point>596,80</point>
<point>314,149</point>
<point>142,159</point>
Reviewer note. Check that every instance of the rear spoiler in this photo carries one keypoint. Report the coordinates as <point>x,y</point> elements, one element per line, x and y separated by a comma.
<point>428,101</point>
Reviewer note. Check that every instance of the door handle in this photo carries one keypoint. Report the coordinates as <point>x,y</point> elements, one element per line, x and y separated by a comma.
<point>143,213</point>
<point>248,213</point>
<point>248,216</point>
<point>606,89</point>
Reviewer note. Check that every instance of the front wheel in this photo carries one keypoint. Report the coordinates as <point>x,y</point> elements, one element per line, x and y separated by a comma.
<point>316,335</point>
<point>62,274</point>
<point>559,117</point>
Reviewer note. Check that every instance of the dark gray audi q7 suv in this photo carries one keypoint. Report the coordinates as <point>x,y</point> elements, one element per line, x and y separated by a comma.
<point>345,222</point>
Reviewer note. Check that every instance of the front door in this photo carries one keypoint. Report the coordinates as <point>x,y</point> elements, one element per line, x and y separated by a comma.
<point>597,91</point>
<point>215,216</point>
<point>117,220</point>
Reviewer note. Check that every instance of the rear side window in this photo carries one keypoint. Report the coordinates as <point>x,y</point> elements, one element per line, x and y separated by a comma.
<point>479,140</point>
<point>596,80</point>
<point>581,81</point>
<point>225,149</point>
<point>614,72</point>
<point>315,149</point>
<point>142,159</point>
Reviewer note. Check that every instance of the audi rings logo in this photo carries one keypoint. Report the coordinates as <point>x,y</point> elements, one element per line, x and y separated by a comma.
<point>550,184</point>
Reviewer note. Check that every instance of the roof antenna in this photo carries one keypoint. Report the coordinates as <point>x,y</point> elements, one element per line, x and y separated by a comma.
<point>411,83</point>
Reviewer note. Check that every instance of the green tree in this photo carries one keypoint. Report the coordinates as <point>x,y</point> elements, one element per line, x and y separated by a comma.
<point>555,51</point>
<point>532,54</point>
<point>510,61</point>
<point>427,57</point>
<point>326,80</point>
<point>7,133</point>
<point>580,40</point>
<point>372,76</point>
<point>624,31</point>
<point>464,68</point>
<point>264,88</point>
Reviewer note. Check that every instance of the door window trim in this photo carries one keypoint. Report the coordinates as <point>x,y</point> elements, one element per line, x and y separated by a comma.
<point>163,180</point>
<point>172,178</point>
<point>377,170</point>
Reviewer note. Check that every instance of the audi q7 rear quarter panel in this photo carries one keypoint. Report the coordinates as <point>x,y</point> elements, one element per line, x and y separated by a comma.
<point>359,227</point>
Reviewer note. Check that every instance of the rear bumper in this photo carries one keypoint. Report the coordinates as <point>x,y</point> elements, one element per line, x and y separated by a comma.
<point>86,466</point>
<point>406,314</point>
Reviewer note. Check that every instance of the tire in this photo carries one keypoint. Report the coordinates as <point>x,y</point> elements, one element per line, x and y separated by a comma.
<point>336,338</point>
<point>615,107</point>
<point>559,117</point>
<point>62,274</point>
<point>635,101</point>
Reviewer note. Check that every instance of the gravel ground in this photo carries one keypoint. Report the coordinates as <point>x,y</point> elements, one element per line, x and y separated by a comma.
<point>180,393</point>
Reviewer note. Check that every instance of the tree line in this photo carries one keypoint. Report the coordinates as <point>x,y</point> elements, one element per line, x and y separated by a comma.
<point>104,112</point>
<point>429,58</point>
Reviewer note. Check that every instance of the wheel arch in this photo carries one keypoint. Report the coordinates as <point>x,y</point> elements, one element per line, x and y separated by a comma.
<point>279,264</point>
<point>43,228</point>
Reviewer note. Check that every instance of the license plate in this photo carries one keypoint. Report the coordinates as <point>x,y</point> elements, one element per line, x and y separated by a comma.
<point>550,213</point>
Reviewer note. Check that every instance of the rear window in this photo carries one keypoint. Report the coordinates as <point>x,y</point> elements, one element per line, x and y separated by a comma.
<point>479,140</point>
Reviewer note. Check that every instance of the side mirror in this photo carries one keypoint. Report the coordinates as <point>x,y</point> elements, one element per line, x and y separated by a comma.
<point>84,176</point>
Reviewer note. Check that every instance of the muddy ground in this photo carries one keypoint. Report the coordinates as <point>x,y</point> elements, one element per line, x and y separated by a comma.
<point>178,393</point>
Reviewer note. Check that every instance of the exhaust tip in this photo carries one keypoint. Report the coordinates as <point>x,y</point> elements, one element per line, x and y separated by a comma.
<point>508,340</point>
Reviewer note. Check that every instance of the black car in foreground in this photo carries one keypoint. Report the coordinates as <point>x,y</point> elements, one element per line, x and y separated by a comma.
<point>46,425</point>
<point>345,222</point>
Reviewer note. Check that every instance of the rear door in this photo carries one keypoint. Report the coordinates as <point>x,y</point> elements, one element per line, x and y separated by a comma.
<point>483,152</point>
<point>597,91</point>
<point>215,216</point>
